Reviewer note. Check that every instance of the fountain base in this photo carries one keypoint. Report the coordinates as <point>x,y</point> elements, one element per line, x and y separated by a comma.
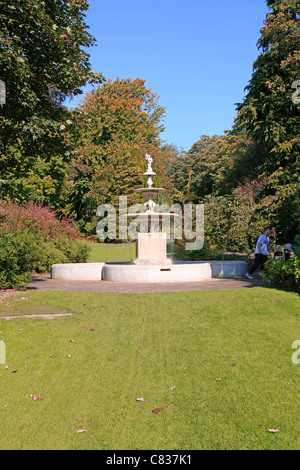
<point>157,273</point>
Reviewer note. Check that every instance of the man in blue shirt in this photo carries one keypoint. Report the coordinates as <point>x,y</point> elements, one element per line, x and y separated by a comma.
<point>262,250</point>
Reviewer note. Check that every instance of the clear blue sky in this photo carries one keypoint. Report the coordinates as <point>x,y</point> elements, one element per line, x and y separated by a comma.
<point>196,54</point>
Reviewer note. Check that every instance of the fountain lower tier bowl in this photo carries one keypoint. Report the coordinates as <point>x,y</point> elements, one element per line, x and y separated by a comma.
<point>194,271</point>
<point>157,273</point>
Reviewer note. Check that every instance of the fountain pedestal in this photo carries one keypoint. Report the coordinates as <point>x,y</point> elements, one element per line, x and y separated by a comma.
<point>151,249</point>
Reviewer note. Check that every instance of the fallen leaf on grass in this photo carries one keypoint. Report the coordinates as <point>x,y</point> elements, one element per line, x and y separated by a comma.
<point>140,399</point>
<point>273,430</point>
<point>139,352</point>
<point>92,329</point>
<point>173,388</point>
<point>80,431</point>
<point>279,367</point>
<point>36,398</point>
<point>52,357</point>
<point>157,410</point>
<point>168,406</point>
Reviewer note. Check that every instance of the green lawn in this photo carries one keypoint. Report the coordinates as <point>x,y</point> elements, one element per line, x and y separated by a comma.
<point>187,340</point>
<point>102,253</point>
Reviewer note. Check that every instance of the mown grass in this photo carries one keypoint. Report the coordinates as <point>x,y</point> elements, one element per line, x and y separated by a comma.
<point>187,340</point>
<point>102,253</point>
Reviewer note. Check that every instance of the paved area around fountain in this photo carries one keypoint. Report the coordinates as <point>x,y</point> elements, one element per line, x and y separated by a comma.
<point>44,283</point>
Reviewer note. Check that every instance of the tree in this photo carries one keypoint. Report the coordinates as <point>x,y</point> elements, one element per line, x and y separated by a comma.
<point>269,116</point>
<point>216,165</point>
<point>119,123</point>
<point>42,63</point>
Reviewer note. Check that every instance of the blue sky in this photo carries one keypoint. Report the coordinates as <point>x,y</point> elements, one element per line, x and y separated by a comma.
<point>196,54</point>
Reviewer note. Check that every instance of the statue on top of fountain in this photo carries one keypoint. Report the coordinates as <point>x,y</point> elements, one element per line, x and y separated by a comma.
<point>149,173</point>
<point>149,160</point>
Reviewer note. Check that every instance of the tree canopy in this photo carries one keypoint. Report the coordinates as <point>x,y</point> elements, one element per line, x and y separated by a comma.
<point>270,117</point>
<point>43,61</point>
<point>118,123</point>
<point>76,159</point>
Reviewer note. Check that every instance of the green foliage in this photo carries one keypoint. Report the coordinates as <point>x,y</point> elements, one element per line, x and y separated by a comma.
<point>283,274</point>
<point>31,240</point>
<point>209,252</point>
<point>57,251</point>
<point>118,124</point>
<point>74,251</point>
<point>16,258</point>
<point>222,173</point>
<point>271,119</point>
<point>21,254</point>
<point>250,177</point>
<point>42,62</point>
<point>216,165</point>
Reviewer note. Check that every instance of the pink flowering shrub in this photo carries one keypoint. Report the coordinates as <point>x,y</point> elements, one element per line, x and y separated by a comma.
<point>32,239</point>
<point>33,218</point>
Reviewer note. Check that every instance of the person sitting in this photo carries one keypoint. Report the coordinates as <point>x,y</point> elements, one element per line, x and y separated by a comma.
<point>289,249</point>
<point>285,251</point>
<point>278,252</point>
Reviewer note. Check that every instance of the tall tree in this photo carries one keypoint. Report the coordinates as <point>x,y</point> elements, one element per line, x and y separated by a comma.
<point>216,165</point>
<point>119,123</point>
<point>272,119</point>
<point>42,62</point>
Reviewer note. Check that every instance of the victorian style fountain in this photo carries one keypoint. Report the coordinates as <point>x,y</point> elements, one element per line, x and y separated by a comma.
<point>151,263</point>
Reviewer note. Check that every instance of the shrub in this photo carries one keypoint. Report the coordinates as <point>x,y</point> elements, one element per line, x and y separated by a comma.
<point>16,257</point>
<point>208,252</point>
<point>283,274</point>
<point>31,240</point>
<point>76,251</point>
<point>35,219</point>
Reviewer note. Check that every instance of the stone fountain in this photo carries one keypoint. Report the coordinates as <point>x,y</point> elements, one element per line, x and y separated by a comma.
<point>151,263</point>
<point>151,242</point>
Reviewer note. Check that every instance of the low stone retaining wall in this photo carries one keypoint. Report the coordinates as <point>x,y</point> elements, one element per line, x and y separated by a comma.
<point>77,271</point>
<point>225,269</point>
<point>125,272</point>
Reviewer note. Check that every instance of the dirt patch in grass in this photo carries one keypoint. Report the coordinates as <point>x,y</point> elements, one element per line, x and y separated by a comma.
<point>33,311</point>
